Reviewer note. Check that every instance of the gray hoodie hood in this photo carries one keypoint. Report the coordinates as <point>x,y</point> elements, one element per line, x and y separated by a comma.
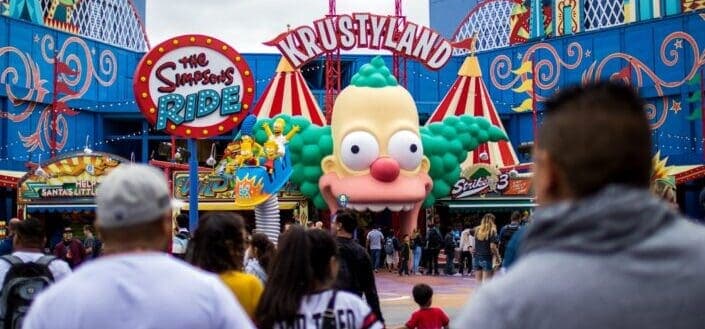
<point>615,218</point>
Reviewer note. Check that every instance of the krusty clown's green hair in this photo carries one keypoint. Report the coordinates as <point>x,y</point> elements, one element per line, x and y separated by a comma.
<point>446,144</point>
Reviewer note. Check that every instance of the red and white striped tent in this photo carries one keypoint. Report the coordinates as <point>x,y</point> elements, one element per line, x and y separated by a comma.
<point>469,95</point>
<point>288,93</point>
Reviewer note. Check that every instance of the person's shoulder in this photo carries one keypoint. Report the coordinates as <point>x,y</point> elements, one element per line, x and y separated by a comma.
<point>350,299</point>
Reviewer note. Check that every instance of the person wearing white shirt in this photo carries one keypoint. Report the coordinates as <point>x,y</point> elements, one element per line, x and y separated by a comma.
<point>467,247</point>
<point>28,243</point>
<point>137,284</point>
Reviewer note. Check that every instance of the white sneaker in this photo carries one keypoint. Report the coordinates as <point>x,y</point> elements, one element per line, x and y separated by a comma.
<point>457,274</point>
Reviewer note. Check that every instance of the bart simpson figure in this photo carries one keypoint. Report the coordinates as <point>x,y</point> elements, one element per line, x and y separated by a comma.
<point>278,134</point>
<point>271,152</point>
<point>247,154</point>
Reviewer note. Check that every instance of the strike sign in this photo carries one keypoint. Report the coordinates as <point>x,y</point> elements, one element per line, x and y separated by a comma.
<point>194,86</point>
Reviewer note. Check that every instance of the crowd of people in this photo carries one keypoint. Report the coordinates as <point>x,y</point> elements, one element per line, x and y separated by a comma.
<point>600,252</point>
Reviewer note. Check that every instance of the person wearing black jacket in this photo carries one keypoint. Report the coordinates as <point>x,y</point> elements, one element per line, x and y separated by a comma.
<point>355,274</point>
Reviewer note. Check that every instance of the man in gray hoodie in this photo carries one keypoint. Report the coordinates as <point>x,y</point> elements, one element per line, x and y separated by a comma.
<point>602,252</point>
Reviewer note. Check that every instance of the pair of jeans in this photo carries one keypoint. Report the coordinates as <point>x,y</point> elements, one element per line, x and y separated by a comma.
<point>465,257</point>
<point>376,253</point>
<point>417,259</point>
<point>450,267</point>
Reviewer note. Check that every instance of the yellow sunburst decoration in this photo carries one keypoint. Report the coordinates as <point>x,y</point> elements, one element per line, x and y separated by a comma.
<point>659,170</point>
<point>662,184</point>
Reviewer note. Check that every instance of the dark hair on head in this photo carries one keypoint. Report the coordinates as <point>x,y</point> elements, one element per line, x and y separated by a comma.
<point>303,262</point>
<point>182,221</point>
<point>89,228</point>
<point>218,243</point>
<point>264,248</point>
<point>30,233</point>
<point>347,219</point>
<point>422,294</point>
<point>516,216</point>
<point>599,135</point>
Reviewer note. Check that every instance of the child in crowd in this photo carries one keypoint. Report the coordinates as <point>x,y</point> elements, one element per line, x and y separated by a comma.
<point>404,255</point>
<point>426,317</point>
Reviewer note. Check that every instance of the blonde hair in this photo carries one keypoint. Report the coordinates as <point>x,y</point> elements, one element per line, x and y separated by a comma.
<point>487,228</point>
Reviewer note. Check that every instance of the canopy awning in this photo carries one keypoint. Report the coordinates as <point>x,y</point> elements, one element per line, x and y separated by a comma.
<point>230,206</point>
<point>10,178</point>
<point>508,203</point>
<point>684,174</point>
<point>59,207</point>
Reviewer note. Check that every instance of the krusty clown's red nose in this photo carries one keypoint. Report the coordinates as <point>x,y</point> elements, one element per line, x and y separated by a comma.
<point>385,169</point>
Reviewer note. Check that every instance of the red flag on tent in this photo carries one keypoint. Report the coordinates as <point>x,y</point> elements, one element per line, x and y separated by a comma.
<point>464,44</point>
<point>63,88</point>
<point>276,40</point>
<point>63,68</point>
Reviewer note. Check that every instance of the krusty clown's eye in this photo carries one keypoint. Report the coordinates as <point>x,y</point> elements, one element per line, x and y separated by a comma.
<point>358,150</point>
<point>405,147</point>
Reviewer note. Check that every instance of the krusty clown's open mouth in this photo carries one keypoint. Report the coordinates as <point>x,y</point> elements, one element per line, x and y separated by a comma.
<point>364,193</point>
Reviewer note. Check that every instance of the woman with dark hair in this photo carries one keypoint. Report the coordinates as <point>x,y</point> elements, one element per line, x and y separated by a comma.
<point>299,290</point>
<point>261,253</point>
<point>218,246</point>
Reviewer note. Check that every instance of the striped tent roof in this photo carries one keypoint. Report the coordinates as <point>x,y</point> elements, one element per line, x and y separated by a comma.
<point>288,93</point>
<point>469,95</point>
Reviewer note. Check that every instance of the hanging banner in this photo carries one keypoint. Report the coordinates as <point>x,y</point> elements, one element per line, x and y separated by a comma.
<point>410,40</point>
<point>194,86</point>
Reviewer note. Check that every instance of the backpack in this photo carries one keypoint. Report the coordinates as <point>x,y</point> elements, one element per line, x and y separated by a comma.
<point>389,245</point>
<point>506,235</point>
<point>23,282</point>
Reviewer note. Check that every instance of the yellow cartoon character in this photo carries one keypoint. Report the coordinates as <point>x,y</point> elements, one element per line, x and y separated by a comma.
<point>231,158</point>
<point>248,154</point>
<point>271,152</point>
<point>278,134</point>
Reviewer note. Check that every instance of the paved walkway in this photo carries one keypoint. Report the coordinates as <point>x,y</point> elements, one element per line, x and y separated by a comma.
<point>449,293</point>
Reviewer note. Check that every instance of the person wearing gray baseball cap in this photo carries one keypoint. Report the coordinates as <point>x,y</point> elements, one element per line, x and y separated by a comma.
<point>137,284</point>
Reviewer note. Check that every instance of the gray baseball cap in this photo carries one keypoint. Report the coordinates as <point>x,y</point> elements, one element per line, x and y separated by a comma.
<point>132,194</point>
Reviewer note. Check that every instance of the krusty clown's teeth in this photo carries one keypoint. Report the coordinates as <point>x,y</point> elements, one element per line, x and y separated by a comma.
<point>377,207</point>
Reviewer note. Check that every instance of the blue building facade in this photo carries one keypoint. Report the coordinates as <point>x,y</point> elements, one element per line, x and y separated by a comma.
<point>656,45</point>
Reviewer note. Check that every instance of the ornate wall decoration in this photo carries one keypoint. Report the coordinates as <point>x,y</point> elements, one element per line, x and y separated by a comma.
<point>27,90</point>
<point>637,72</point>
<point>567,10</point>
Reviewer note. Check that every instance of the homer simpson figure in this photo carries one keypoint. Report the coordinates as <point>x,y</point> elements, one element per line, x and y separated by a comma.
<point>278,134</point>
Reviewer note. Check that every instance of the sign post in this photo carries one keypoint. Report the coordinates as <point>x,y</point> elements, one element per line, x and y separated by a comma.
<point>193,184</point>
<point>194,87</point>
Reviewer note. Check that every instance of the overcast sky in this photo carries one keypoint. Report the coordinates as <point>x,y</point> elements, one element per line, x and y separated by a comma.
<point>245,24</point>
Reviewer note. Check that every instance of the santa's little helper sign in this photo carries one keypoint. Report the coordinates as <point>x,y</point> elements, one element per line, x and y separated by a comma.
<point>194,86</point>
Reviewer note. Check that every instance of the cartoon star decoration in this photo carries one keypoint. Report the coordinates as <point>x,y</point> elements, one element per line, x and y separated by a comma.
<point>676,107</point>
<point>374,152</point>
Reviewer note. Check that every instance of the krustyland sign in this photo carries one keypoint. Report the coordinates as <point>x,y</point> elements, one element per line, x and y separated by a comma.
<point>483,179</point>
<point>194,86</point>
<point>363,30</point>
